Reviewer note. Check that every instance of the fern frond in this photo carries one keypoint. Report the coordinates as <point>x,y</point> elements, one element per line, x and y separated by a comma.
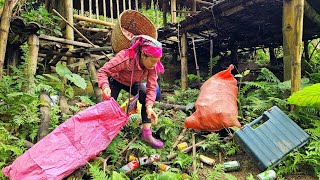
<point>267,75</point>
<point>96,173</point>
<point>309,96</point>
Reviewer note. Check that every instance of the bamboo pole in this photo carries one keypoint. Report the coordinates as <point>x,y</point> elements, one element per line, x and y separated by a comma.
<point>97,9</point>
<point>111,10</point>
<point>78,32</point>
<point>64,41</point>
<point>124,5</point>
<point>196,62</point>
<point>118,9</point>
<point>184,62</point>
<point>194,163</point>
<point>129,4</point>
<point>90,8</point>
<point>104,10</point>
<point>82,7</point>
<point>96,21</point>
<point>173,11</point>
<point>4,31</point>
<point>137,5</point>
<point>292,41</point>
<point>31,63</point>
<point>69,30</point>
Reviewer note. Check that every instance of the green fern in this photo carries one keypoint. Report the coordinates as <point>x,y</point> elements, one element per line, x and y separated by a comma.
<point>115,147</point>
<point>96,173</point>
<point>309,96</point>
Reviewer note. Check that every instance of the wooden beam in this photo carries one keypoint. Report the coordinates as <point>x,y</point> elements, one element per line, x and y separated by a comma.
<point>311,13</point>
<point>196,25</point>
<point>64,41</point>
<point>111,10</point>
<point>292,41</point>
<point>196,63</point>
<point>204,2</point>
<point>184,62</point>
<point>96,21</point>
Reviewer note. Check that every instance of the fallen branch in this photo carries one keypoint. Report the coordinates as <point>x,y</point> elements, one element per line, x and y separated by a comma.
<point>181,135</point>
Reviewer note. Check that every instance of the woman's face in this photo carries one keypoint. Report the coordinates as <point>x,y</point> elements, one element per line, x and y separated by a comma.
<point>149,62</point>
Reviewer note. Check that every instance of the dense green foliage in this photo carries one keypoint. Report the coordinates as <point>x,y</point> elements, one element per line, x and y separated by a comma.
<point>19,114</point>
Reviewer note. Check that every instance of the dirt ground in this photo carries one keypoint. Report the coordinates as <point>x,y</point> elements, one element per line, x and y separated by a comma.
<point>248,167</point>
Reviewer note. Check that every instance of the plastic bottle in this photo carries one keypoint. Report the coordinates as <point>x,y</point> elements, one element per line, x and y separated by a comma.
<point>130,166</point>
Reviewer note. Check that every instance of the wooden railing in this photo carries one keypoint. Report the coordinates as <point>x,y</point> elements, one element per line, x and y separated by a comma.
<point>95,7</point>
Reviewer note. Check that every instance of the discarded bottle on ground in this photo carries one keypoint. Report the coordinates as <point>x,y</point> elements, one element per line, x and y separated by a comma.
<point>267,175</point>
<point>231,166</point>
<point>207,160</point>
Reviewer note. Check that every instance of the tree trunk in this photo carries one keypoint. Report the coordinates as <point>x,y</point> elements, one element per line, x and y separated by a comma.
<point>292,41</point>
<point>45,116</point>
<point>31,63</point>
<point>272,56</point>
<point>173,11</point>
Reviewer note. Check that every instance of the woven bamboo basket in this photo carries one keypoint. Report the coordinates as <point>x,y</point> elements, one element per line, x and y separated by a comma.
<point>130,23</point>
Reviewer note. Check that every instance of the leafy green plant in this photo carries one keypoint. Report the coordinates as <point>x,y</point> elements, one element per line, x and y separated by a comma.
<point>45,19</point>
<point>183,160</point>
<point>309,96</point>
<point>1,3</point>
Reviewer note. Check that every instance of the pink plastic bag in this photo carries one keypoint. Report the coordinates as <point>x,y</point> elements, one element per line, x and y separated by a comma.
<point>71,145</point>
<point>216,106</point>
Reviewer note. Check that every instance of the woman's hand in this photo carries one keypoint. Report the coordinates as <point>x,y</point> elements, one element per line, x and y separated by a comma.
<point>152,115</point>
<point>106,93</point>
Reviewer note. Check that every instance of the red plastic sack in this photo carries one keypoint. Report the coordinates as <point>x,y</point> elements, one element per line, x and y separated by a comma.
<point>71,144</point>
<point>216,106</point>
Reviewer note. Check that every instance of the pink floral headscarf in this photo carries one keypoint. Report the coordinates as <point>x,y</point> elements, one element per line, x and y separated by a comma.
<point>148,46</point>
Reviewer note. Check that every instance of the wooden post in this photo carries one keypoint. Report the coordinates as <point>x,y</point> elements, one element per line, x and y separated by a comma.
<point>90,8</point>
<point>111,10</point>
<point>4,31</point>
<point>94,80</point>
<point>69,31</point>
<point>173,11</point>
<point>97,9</point>
<point>184,62</point>
<point>272,56</point>
<point>82,7</point>
<point>292,41</point>
<point>194,163</point>
<point>306,50</point>
<point>164,14</point>
<point>104,10</point>
<point>31,63</point>
<point>196,62</point>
